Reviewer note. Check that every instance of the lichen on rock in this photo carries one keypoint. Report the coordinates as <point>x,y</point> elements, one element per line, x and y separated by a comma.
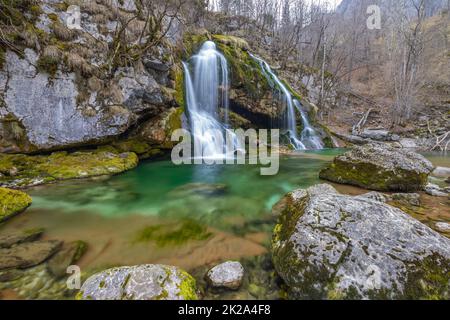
<point>332,246</point>
<point>143,282</point>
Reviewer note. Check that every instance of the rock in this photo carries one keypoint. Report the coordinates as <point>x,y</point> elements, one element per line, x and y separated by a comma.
<point>40,169</point>
<point>406,198</point>
<point>156,65</point>
<point>380,167</point>
<point>376,196</point>
<point>28,254</point>
<point>441,172</point>
<point>8,240</point>
<point>226,275</point>
<point>408,143</point>
<point>12,202</point>
<point>197,188</point>
<point>67,256</point>
<point>46,113</point>
<point>435,191</point>
<point>443,226</point>
<point>332,246</point>
<point>379,135</point>
<point>144,282</point>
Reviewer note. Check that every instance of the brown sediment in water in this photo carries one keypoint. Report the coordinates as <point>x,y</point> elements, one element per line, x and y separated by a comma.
<point>111,241</point>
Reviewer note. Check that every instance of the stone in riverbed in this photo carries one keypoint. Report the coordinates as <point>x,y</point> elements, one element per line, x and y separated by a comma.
<point>8,240</point>
<point>226,275</point>
<point>443,226</point>
<point>28,254</point>
<point>332,246</point>
<point>68,255</point>
<point>380,167</point>
<point>12,202</point>
<point>435,191</point>
<point>143,282</point>
<point>441,172</point>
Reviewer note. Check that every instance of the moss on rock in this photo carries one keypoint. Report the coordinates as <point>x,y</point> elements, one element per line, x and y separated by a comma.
<point>379,167</point>
<point>12,202</point>
<point>19,170</point>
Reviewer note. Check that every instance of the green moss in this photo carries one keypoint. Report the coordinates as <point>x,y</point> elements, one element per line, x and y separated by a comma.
<point>143,149</point>
<point>173,234</point>
<point>12,202</point>
<point>23,170</point>
<point>48,65</point>
<point>81,250</point>
<point>428,279</point>
<point>369,176</point>
<point>178,76</point>
<point>2,57</point>
<point>187,286</point>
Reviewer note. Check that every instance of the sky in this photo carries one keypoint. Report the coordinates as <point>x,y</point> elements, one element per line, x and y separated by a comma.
<point>333,3</point>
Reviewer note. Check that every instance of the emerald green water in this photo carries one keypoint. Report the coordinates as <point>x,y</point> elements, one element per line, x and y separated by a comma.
<point>200,192</point>
<point>188,216</point>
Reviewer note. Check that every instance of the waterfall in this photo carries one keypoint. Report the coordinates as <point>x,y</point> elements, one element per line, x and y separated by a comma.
<point>207,91</point>
<point>308,138</point>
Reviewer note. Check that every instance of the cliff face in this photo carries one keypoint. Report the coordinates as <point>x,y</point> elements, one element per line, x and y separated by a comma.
<point>64,88</point>
<point>61,88</point>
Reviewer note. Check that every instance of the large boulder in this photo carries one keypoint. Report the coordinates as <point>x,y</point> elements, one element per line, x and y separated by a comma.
<point>380,167</point>
<point>12,202</point>
<point>144,282</point>
<point>332,246</point>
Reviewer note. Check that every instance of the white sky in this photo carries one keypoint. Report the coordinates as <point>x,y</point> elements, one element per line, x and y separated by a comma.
<point>333,3</point>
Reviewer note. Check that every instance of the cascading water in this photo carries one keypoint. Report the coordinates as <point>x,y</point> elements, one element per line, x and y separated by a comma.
<point>206,92</point>
<point>309,138</point>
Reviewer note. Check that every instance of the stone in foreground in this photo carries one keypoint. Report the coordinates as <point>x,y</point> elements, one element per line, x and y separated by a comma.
<point>12,202</point>
<point>226,275</point>
<point>380,167</point>
<point>143,282</point>
<point>332,246</point>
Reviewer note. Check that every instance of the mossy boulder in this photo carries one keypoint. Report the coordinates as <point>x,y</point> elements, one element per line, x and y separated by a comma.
<point>143,282</point>
<point>19,170</point>
<point>12,202</point>
<point>332,246</point>
<point>380,167</point>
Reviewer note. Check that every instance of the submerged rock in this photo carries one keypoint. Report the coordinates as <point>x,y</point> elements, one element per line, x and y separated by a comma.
<point>8,240</point>
<point>12,202</point>
<point>332,246</point>
<point>28,254</point>
<point>68,255</point>
<point>380,167</point>
<point>40,169</point>
<point>226,275</point>
<point>197,188</point>
<point>435,191</point>
<point>144,282</point>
